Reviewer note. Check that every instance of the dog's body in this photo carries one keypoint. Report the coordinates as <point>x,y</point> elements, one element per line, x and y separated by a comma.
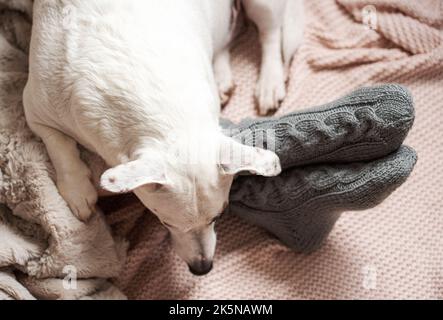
<point>125,82</point>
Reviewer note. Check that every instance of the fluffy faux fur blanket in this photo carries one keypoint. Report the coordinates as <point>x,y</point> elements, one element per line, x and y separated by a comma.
<point>41,246</point>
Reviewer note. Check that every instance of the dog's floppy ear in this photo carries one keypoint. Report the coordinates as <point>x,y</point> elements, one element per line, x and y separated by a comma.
<point>132,175</point>
<point>236,158</point>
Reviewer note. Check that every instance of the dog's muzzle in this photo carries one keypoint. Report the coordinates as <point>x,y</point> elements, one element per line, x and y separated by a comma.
<point>200,267</point>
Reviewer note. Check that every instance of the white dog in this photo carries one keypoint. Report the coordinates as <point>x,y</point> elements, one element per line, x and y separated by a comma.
<point>133,80</point>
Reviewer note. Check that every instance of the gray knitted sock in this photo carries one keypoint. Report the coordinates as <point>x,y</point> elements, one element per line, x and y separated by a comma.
<point>301,205</point>
<point>367,124</point>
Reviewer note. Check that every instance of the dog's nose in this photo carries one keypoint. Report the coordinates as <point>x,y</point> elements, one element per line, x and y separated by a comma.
<point>200,267</point>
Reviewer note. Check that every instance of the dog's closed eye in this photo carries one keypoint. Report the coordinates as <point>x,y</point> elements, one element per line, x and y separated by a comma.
<point>215,219</point>
<point>167,224</point>
<point>225,205</point>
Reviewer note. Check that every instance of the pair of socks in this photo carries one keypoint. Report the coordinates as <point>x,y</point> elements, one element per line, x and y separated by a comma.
<point>345,155</point>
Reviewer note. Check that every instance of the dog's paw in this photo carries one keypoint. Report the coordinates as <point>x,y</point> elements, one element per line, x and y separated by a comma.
<point>226,90</point>
<point>80,195</point>
<point>225,84</point>
<point>271,90</point>
<point>223,76</point>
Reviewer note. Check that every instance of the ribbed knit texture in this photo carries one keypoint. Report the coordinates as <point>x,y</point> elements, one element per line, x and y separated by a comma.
<point>364,125</point>
<point>301,206</point>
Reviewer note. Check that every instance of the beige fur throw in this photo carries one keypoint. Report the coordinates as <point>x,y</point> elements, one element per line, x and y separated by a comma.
<point>40,248</point>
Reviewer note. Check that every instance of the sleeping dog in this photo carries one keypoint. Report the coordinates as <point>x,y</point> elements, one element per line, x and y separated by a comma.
<point>139,83</point>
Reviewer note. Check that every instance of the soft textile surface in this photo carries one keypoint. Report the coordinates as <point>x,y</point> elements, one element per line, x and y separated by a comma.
<point>393,251</point>
<point>42,238</point>
<point>341,156</point>
<point>302,205</point>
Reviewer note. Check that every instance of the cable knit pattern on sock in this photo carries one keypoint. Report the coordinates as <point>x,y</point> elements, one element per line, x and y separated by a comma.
<point>366,124</point>
<point>302,205</point>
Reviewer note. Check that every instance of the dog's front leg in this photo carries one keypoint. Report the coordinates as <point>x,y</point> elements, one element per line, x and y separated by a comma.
<point>73,176</point>
<point>271,87</point>
<point>223,75</point>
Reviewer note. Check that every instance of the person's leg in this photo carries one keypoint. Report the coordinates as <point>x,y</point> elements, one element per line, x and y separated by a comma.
<point>367,124</point>
<point>301,206</point>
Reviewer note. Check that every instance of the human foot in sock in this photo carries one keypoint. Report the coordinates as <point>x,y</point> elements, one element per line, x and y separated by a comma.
<point>301,206</point>
<point>366,124</point>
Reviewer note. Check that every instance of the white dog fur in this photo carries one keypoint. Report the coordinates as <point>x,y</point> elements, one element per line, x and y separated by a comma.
<point>139,83</point>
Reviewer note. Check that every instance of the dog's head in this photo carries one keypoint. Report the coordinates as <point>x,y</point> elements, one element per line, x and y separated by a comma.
<point>189,196</point>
